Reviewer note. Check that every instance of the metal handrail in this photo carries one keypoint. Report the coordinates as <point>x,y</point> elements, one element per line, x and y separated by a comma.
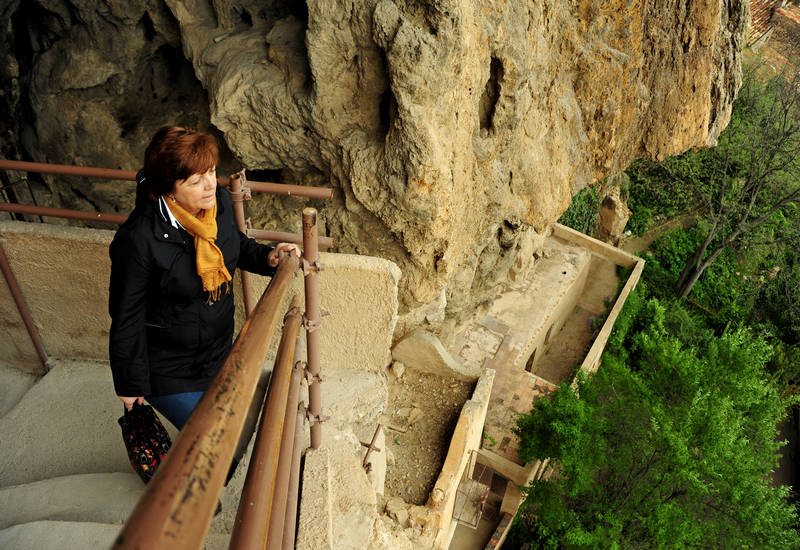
<point>19,300</point>
<point>259,234</point>
<point>62,213</point>
<point>130,175</point>
<point>176,509</point>
<point>280,496</point>
<point>253,515</point>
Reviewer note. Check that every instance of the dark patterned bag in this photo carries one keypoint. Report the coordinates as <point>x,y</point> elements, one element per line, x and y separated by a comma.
<point>145,439</point>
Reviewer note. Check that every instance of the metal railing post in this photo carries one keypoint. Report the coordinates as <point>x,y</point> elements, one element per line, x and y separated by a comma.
<point>237,195</point>
<point>253,515</point>
<point>290,518</point>
<point>176,509</point>
<point>280,496</point>
<point>19,300</point>
<point>311,268</point>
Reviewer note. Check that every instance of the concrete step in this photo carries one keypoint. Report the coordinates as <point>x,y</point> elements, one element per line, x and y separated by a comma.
<point>65,424</point>
<point>96,498</point>
<point>73,535</point>
<point>15,384</point>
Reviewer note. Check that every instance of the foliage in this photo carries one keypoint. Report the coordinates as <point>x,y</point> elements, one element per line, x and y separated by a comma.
<point>653,197</point>
<point>582,212</point>
<point>779,296</point>
<point>669,446</point>
<point>746,190</point>
<point>732,290</point>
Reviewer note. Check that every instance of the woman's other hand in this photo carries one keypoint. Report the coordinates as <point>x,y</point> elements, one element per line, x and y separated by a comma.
<point>275,253</point>
<point>129,401</point>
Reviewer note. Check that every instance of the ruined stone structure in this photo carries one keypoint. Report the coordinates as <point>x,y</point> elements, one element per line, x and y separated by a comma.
<point>454,131</point>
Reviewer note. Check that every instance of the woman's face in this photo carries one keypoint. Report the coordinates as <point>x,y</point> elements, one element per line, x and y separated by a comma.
<point>197,192</point>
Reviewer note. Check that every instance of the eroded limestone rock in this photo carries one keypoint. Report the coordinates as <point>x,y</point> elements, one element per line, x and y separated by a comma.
<point>453,131</point>
<point>613,214</point>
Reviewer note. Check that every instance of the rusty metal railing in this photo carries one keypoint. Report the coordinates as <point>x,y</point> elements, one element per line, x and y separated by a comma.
<point>238,195</point>
<point>255,504</point>
<point>311,268</point>
<point>19,300</point>
<point>62,213</point>
<point>176,509</point>
<point>239,192</point>
<point>130,175</point>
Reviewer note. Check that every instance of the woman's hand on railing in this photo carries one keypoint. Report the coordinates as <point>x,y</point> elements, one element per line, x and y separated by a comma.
<point>129,401</point>
<point>274,254</point>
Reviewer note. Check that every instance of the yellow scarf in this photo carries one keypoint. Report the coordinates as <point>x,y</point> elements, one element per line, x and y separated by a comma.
<point>210,262</point>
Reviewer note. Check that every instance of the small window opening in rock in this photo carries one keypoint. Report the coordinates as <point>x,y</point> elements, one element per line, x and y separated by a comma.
<point>246,18</point>
<point>491,95</point>
<point>387,110</point>
<point>128,123</point>
<point>146,23</point>
<point>299,10</point>
<point>387,106</point>
<point>272,176</point>
<point>33,27</point>
<point>437,257</point>
<point>531,361</point>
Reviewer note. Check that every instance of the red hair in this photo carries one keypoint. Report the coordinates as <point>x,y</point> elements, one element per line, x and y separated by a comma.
<point>174,154</point>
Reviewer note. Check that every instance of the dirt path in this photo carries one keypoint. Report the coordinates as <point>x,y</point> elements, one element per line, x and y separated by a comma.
<point>419,420</point>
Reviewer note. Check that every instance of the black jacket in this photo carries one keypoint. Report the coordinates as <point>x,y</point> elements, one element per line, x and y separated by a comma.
<point>166,336</point>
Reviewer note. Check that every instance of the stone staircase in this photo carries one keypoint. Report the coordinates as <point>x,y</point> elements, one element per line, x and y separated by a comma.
<point>65,481</point>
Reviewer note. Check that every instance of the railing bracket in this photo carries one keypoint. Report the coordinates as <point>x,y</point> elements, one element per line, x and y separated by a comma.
<point>312,267</point>
<point>316,419</point>
<point>293,312</point>
<point>311,324</point>
<point>312,378</point>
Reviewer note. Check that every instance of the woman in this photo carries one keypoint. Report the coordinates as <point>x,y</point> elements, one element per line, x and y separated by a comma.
<point>171,296</point>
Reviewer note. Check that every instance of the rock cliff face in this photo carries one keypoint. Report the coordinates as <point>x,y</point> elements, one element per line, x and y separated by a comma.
<point>455,131</point>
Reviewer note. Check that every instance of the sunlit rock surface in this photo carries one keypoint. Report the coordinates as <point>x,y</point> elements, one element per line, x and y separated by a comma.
<point>453,131</point>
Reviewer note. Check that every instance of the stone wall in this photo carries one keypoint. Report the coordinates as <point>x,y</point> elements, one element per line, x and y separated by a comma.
<point>64,272</point>
<point>454,131</point>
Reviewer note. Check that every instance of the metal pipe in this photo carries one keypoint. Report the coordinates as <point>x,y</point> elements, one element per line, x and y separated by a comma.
<point>176,509</point>
<point>62,213</point>
<point>253,515</point>
<point>237,196</point>
<point>279,497</point>
<point>67,170</point>
<point>291,190</point>
<point>313,321</point>
<point>260,234</point>
<point>290,518</point>
<point>371,447</point>
<point>27,320</point>
<point>130,175</point>
<point>283,237</point>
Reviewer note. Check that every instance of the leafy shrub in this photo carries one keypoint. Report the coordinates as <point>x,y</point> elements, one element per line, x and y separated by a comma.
<point>654,196</point>
<point>582,212</point>
<point>669,445</point>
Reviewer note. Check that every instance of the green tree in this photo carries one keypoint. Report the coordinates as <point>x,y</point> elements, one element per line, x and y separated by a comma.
<point>748,186</point>
<point>669,445</point>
